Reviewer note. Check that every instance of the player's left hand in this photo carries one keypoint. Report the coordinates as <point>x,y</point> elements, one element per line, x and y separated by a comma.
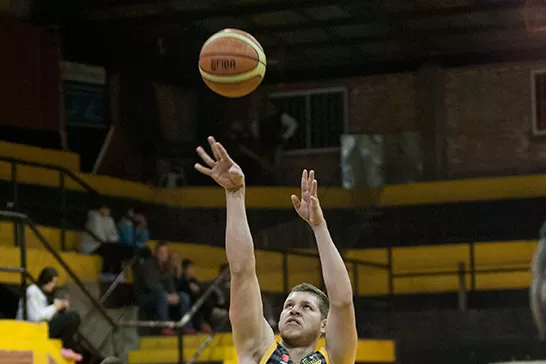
<point>309,206</point>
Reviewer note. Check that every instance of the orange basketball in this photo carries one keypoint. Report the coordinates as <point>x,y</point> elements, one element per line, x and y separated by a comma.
<point>232,63</point>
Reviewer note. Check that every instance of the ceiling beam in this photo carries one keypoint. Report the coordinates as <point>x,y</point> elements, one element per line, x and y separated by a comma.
<point>170,11</point>
<point>165,12</point>
<point>398,36</point>
<point>383,66</point>
<point>372,18</point>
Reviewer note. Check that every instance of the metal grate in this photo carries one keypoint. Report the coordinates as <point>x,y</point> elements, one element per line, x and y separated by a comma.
<point>321,115</point>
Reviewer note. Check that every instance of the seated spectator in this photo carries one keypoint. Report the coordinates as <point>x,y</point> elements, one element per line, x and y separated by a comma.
<point>63,323</point>
<point>131,240</point>
<point>183,273</point>
<point>216,307</point>
<point>133,230</point>
<point>104,233</point>
<point>188,282</point>
<point>103,227</point>
<point>157,291</point>
<point>175,264</point>
<point>114,244</point>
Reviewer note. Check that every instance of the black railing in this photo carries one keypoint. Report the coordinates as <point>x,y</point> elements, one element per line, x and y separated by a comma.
<point>21,220</point>
<point>66,217</point>
<point>355,262</point>
<point>178,325</point>
<point>64,174</point>
<point>460,271</point>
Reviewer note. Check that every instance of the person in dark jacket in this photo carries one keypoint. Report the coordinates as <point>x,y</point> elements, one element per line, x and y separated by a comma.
<point>187,283</point>
<point>157,291</point>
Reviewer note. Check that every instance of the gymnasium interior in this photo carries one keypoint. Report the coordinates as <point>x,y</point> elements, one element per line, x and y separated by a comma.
<point>425,121</point>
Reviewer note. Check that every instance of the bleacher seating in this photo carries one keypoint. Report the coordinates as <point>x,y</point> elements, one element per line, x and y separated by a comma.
<point>404,212</point>
<point>155,350</point>
<point>28,343</point>
<point>371,281</point>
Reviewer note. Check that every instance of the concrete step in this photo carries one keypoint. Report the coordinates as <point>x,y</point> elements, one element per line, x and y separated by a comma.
<point>96,327</point>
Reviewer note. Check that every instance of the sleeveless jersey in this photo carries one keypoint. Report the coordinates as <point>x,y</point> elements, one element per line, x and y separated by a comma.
<point>277,354</point>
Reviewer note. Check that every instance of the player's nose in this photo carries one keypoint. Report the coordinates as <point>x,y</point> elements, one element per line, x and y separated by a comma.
<point>295,312</point>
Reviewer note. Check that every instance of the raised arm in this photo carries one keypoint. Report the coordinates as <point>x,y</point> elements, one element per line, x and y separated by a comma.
<point>341,335</point>
<point>252,335</point>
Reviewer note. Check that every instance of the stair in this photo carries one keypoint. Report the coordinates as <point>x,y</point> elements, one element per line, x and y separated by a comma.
<point>28,343</point>
<point>96,328</point>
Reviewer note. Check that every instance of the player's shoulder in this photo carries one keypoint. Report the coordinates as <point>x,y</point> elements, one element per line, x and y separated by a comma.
<point>261,355</point>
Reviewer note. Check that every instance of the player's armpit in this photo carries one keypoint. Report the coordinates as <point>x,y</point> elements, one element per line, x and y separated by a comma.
<point>341,335</point>
<point>252,335</point>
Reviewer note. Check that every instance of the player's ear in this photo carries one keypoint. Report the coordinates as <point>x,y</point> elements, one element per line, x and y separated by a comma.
<point>323,327</point>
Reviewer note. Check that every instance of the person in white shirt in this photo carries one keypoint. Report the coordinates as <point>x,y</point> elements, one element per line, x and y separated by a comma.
<point>63,323</point>
<point>101,223</point>
<point>103,242</point>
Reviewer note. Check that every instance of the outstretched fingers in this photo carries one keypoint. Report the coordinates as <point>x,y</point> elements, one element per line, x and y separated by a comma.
<point>310,181</point>
<point>314,188</point>
<point>206,171</point>
<point>222,151</point>
<point>205,157</point>
<point>212,143</point>
<point>314,202</point>
<point>304,177</point>
<point>295,201</point>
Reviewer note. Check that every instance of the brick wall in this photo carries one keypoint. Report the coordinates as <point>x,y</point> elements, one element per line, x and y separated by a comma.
<point>383,104</point>
<point>486,116</point>
<point>489,120</point>
<point>376,105</point>
<point>16,357</point>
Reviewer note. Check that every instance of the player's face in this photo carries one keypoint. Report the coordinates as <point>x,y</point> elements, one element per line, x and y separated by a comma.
<point>301,323</point>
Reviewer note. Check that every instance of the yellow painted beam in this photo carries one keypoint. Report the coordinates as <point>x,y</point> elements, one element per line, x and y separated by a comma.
<point>160,349</point>
<point>67,160</point>
<point>86,267</point>
<point>477,189</point>
<point>190,341</point>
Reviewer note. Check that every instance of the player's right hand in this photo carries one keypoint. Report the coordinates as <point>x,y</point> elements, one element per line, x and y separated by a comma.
<point>223,170</point>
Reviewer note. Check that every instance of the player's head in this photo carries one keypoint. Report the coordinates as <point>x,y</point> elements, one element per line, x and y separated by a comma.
<point>47,280</point>
<point>303,318</point>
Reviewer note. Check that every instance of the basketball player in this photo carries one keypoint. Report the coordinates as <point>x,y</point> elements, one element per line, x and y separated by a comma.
<point>537,291</point>
<point>307,315</point>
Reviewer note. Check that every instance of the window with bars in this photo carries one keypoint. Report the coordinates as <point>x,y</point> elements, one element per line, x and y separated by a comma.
<point>538,86</point>
<point>321,117</point>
